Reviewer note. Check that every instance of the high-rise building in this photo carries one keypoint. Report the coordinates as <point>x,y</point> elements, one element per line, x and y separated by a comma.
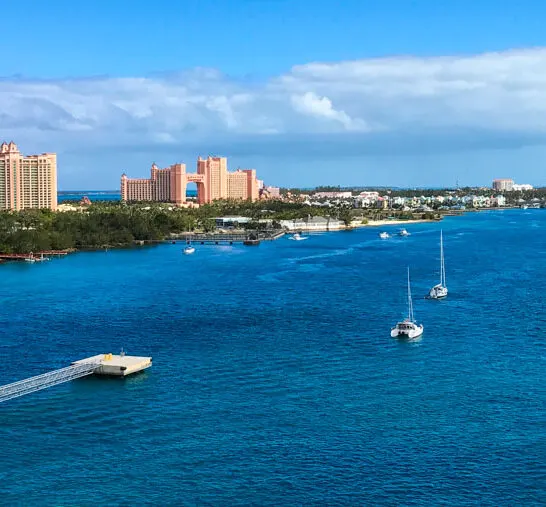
<point>27,182</point>
<point>503,184</point>
<point>164,185</point>
<point>213,180</point>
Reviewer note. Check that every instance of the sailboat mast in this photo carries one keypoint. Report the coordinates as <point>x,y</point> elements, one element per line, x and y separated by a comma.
<point>410,302</point>
<point>442,264</point>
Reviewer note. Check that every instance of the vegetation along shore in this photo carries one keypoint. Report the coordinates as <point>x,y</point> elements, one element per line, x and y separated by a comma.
<point>113,224</point>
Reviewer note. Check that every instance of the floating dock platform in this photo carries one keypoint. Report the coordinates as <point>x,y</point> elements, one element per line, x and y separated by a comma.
<point>118,365</point>
<point>104,364</point>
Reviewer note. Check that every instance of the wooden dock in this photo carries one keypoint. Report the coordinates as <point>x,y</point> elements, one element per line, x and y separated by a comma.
<point>31,255</point>
<point>228,239</point>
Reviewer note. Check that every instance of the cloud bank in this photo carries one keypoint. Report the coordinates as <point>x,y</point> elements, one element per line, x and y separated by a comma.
<point>372,104</point>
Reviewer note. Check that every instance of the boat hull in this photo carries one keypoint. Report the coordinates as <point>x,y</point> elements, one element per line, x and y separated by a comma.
<point>438,292</point>
<point>407,333</point>
<point>189,250</point>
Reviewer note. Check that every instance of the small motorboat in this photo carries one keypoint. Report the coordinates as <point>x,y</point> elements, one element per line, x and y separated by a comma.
<point>403,232</point>
<point>188,250</point>
<point>384,235</point>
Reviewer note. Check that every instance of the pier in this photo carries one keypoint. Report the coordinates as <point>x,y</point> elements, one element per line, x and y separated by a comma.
<point>33,256</point>
<point>249,239</point>
<point>102,364</point>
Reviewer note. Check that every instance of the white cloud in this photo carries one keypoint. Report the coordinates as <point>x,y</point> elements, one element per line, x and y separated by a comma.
<point>489,92</point>
<point>321,107</point>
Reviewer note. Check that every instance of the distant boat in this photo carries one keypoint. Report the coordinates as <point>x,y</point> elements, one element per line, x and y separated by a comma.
<point>408,327</point>
<point>524,206</point>
<point>188,249</point>
<point>42,258</point>
<point>439,291</point>
<point>403,232</point>
<point>298,237</point>
<point>384,235</point>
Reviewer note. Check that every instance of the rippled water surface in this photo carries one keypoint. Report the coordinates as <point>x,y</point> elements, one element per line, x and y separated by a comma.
<point>275,380</point>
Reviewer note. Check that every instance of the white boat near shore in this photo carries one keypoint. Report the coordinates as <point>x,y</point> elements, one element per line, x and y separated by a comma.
<point>188,249</point>
<point>298,237</point>
<point>384,235</point>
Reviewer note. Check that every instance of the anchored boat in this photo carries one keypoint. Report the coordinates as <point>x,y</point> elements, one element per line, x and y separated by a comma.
<point>439,291</point>
<point>408,327</point>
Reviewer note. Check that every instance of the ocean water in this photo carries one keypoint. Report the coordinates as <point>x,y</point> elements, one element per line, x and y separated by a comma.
<point>275,380</point>
<point>100,195</point>
<point>92,195</point>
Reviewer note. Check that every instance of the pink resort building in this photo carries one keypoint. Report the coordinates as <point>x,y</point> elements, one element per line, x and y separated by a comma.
<point>213,180</point>
<point>27,181</point>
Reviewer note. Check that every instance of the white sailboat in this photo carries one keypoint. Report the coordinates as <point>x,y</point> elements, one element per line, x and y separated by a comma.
<point>384,235</point>
<point>298,237</point>
<point>189,249</point>
<point>439,291</point>
<point>403,232</point>
<point>408,328</point>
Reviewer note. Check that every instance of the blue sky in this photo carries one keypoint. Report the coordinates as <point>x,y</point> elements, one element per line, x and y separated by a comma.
<point>390,92</point>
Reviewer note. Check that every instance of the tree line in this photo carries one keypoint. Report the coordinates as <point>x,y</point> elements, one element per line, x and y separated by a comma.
<point>107,224</point>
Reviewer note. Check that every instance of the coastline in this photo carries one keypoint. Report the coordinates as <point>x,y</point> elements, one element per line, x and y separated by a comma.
<point>384,223</point>
<point>5,258</point>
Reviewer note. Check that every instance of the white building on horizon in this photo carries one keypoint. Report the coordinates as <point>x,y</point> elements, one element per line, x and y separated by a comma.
<point>521,187</point>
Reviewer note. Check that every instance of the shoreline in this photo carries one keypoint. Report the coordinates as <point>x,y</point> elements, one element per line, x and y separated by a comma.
<point>371,223</point>
<point>384,223</point>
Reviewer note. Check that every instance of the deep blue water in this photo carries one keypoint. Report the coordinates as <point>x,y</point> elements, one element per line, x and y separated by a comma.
<point>275,380</point>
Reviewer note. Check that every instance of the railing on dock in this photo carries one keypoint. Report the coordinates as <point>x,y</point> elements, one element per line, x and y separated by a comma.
<point>223,238</point>
<point>45,380</point>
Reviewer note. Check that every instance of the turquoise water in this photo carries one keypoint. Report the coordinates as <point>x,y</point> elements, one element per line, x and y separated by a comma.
<point>275,380</point>
<point>100,195</point>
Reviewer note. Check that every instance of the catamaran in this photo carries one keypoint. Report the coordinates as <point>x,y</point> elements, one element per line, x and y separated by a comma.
<point>408,328</point>
<point>439,291</point>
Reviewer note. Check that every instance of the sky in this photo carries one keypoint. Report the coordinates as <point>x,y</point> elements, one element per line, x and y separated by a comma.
<point>328,92</point>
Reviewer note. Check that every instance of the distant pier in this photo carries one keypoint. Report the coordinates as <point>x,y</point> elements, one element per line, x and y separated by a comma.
<point>228,239</point>
<point>33,256</point>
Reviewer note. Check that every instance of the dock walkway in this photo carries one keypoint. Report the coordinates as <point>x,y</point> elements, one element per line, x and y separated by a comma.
<point>102,364</point>
<point>229,239</point>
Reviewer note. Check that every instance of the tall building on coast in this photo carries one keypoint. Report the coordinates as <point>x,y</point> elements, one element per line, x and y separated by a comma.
<point>212,178</point>
<point>503,184</point>
<point>27,181</point>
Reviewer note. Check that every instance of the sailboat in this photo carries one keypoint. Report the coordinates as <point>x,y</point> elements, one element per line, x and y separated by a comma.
<point>439,291</point>
<point>188,249</point>
<point>298,237</point>
<point>408,327</point>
